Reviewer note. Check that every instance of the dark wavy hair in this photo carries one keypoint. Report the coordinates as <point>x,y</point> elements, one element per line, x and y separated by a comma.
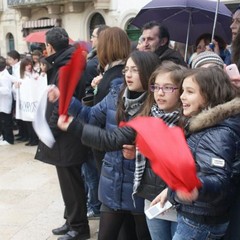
<point>163,30</point>
<point>3,63</point>
<point>58,38</point>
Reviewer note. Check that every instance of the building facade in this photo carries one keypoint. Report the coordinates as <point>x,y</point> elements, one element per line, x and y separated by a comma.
<point>18,18</point>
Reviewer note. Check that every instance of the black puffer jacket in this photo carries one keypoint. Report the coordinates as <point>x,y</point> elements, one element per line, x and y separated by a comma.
<point>214,141</point>
<point>67,150</point>
<point>151,185</point>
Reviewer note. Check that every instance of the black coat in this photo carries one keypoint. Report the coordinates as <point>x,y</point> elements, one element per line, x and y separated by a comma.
<point>151,185</point>
<point>67,150</point>
<point>167,54</point>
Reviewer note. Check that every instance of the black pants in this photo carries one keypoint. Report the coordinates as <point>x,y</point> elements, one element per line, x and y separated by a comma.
<point>32,136</point>
<point>233,231</point>
<point>74,197</point>
<point>114,225</point>
<point>7,127</point>
<point>22,127</point>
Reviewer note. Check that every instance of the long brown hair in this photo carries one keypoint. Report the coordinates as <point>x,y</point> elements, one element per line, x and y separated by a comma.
<point>176,73</point>
<point>146,63</point>
<point>24,62</point>
<point>113,44</point>
<point>214,84</point>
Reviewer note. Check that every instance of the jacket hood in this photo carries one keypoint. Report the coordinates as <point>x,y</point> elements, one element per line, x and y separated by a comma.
<point>225,114</point>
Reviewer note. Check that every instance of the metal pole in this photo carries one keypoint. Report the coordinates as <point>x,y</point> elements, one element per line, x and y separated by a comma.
<point>188,32</point>
<point>215,20</point>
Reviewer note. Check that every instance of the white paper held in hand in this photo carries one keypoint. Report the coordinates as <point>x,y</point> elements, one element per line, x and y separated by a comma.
<point>40,124</point>
<point>156,209</point>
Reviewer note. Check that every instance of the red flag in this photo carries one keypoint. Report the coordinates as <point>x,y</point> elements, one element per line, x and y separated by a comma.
<point>69,76</point>
<point>168,152</point>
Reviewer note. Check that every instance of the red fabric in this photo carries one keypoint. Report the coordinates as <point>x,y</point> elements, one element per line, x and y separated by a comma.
<point>168,152</point>
<point>40,37</point>
<point>69,76</point>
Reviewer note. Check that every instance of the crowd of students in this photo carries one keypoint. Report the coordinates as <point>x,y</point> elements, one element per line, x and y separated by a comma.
<point>152,80</point>
<point>22,81</point>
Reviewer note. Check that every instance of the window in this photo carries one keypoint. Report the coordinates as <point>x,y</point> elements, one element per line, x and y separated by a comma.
<point>10,42</point>
<point>132,31</point>
<point>97,19</point>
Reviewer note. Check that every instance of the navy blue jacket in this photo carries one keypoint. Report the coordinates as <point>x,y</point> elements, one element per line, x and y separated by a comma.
<point>117,174</point>
<point>214,141</point>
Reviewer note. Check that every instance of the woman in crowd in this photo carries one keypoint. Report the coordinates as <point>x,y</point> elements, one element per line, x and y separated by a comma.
<point>219,46</point>
<point>6,100</point>
<point>27,92</point>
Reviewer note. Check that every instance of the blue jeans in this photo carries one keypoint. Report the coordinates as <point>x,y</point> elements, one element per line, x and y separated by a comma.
<point>190,230</point>
<point>161,229</point>
<point>91,179</point>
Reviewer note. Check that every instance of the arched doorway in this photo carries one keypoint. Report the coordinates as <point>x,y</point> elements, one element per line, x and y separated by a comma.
<point>132,31</point>
<point>97,19</point>
<point>10,42</point>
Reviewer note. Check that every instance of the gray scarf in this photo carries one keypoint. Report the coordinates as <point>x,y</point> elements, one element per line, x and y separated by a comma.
<point>132,106</point>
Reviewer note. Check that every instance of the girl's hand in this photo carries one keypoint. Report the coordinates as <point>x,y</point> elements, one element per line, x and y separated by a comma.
<point>96,81</point>
<point>216,47</point>
<point>188,196</point>
<point>129,151</point>
<point>17,84</point>
<point>162,198</point>
<point>64,122</point>
<point>53,93</point>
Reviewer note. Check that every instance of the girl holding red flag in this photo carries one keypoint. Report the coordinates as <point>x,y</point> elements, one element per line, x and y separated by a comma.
<point>213,110</point>
<point>123,102</point>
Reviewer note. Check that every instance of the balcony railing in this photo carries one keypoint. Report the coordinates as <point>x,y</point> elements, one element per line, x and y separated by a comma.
<point>21,3</point>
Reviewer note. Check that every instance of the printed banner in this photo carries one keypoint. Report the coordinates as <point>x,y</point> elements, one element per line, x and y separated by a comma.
<point>28,96</point>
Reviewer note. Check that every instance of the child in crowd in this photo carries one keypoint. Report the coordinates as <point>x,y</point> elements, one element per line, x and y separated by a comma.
<point>212,109</point>
<point>44,66</point>
<point>36,55</point>
<point>6,101</point>
<point>27,92</point>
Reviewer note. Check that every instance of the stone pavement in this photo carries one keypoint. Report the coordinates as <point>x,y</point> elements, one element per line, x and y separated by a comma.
<point>30,200</point>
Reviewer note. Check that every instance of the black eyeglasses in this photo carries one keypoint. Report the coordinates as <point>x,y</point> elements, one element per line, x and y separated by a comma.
<point>165,89</point>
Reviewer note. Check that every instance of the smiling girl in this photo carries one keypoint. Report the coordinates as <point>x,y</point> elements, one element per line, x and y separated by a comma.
<point>212,108</point>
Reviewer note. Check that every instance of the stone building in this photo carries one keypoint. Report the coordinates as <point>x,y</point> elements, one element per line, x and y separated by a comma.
<point>18,18</point>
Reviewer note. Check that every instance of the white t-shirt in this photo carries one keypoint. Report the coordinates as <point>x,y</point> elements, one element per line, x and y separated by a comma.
<point>6,98</point>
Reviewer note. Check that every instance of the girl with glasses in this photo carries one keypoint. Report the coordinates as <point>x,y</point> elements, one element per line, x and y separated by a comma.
<point>123,102</point>
<point>162,101</point>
